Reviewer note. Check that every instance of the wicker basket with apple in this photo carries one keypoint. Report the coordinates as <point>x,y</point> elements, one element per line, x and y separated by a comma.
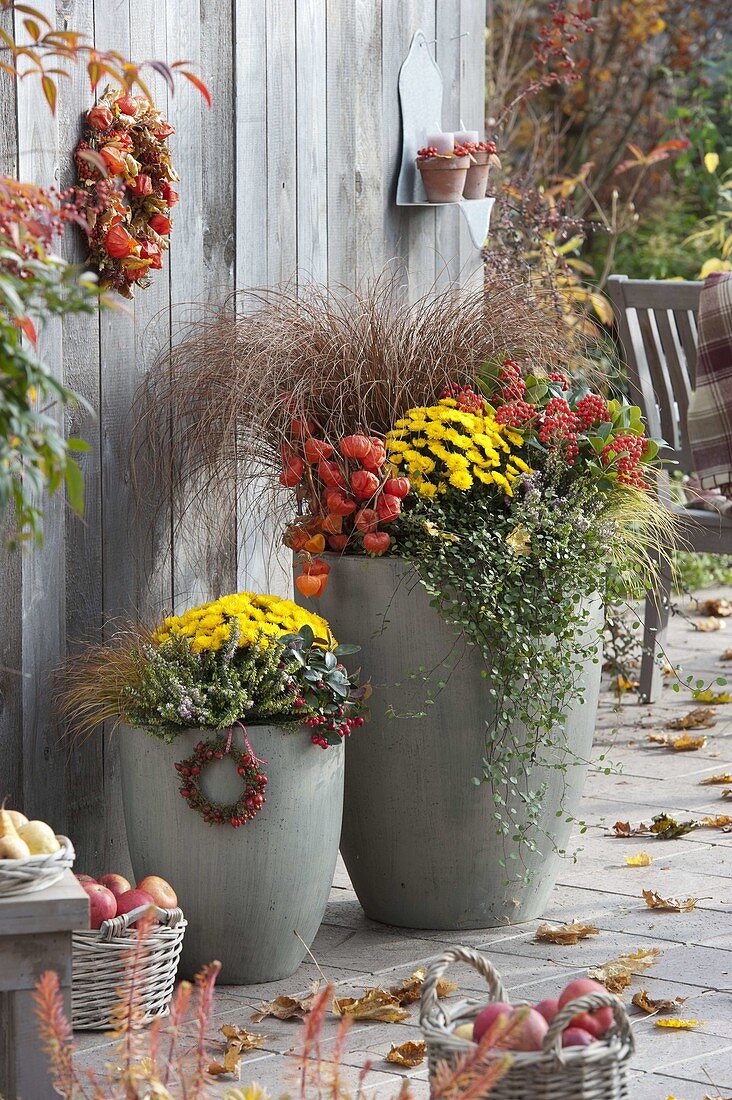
<point>577,1046</point>
<point>100,961</point>
<point>32,857</point>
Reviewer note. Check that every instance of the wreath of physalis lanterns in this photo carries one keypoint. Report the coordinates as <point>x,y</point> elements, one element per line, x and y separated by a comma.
<point>124,168</point>
<point>248,766</point>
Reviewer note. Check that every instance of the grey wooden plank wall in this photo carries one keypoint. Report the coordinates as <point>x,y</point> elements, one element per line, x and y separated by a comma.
<point>291,173</point>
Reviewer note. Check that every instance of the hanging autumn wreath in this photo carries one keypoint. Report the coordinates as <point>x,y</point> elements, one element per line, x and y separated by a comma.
<point>124,168</point>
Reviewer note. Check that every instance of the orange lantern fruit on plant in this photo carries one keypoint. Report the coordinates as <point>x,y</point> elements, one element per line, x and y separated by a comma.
<point>114,159</point>
<point>355,446</point>
<point>119,243</point>
<point>161,224</point>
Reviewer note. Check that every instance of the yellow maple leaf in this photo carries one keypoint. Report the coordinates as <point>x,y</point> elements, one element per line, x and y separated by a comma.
<point>680,1025</point>
<point>709,696</point>
<point>642,859</point>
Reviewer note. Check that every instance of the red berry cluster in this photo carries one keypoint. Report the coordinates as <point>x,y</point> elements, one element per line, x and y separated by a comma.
<point>514,411</point>
<point>557,376</point>
<point>214,813</point>
<point>465,397</point>
<point>625,452</point>
<point>592,409</point>
<point>428,151</point>
<point>338,726</point>
<point>348,494</point>
<point>461,150</point>
<point>558,428</point>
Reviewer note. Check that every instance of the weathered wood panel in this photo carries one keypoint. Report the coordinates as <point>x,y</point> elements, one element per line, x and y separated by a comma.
<point>290,175</point>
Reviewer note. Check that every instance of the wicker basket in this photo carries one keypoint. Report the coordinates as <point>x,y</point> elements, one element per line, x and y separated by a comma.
<point>99,967</point>
<point>597,1072</point>
<point>23,876</point>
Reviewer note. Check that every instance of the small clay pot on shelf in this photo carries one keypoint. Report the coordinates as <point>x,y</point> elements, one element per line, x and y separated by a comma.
<point>443,174</point>
<point>482,156</point>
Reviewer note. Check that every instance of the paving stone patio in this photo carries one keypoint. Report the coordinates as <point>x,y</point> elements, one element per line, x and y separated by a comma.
<point>696,959</point>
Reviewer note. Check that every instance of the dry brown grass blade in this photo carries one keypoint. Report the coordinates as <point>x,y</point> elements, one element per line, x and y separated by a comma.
<point>90,684</point>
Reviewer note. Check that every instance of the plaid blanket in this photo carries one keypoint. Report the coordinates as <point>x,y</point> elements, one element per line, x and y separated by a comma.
<point>710,408</point>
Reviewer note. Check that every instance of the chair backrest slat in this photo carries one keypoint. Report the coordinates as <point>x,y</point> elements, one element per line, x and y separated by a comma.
<point>658,334</point>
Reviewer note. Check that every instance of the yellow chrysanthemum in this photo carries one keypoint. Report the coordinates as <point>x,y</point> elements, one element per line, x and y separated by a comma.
<point>454,447</point>
<point>259,617</point>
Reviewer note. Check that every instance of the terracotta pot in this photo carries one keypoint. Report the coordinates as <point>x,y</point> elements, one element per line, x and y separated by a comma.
<point>444,177</point>
<point>243,891</point>
<point>476,181</point>
<point>419,838</point>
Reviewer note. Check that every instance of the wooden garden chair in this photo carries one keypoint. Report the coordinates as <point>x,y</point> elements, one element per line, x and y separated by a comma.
<point>657,328</point>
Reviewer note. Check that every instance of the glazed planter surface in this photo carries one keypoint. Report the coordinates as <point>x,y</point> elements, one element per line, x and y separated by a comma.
<point>444,177</point>
<point>244,891</point>
<point>419,837</point>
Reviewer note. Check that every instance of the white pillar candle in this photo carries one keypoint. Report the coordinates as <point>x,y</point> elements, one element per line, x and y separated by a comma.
<point>442,142</point>
<point>464,136</point>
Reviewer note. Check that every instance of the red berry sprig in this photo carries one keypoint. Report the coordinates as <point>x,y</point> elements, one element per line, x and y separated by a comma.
<point>246,807</point>
<point>625,452</point>
<point>428,151</point>
<point>592,409</point>
<point>465,397</point>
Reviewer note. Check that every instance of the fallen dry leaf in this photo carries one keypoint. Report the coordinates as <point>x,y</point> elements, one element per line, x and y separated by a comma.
<point>375,1004</point>
<point>287,1008</point>
<point>616,975</point>
<point>727,655</point>
<point>409,1054</point>
<point>706,626</point>
<point>727,792</point>
<point>720,607</point>
<point>411,988</point>
<point>682,1025</point>
<point>721,821</point>
<point>663,827</point>
<point>696,719</point>
<point>709,696</point>
<point>623,684</point>
<point>641,859</point>
<point>651,1005</point>
<point>238,1042</point>
<point>674,905</point>
<point>668,828</point>
<point>685,743</point>
<point>721,777</point>
<point>566,934</point>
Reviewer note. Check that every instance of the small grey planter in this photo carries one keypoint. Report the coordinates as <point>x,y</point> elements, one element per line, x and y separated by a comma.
<point>419,838</point>
<point>246,891</point>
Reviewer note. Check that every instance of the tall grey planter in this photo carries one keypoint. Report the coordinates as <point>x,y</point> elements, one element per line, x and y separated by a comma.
<point>246,891</point>
<point>419,837</point>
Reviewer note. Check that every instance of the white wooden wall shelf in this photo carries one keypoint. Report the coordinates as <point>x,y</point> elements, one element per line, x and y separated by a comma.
<point>420,95</point>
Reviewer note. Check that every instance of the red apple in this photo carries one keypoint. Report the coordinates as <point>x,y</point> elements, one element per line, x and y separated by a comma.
<point>586,1022</point>
<point>548,1008</point>
<point>577,1037</point>
<point>102,903</point>
<point>487,1017</point>
<point>133,899</point>
<point>84,878</point>
<point>529,1034</point>
<point>118,884</point>
<point>160,891</point>
<point>580,987</point>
